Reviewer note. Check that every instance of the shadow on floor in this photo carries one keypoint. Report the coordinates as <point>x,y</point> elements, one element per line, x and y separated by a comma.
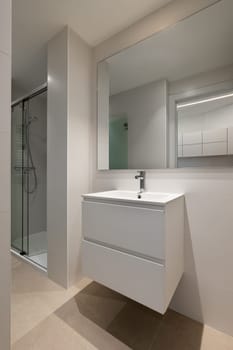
<point>111,321</point>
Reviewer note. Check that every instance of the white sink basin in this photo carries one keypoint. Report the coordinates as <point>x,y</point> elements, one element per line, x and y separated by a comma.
<point>159,198</point>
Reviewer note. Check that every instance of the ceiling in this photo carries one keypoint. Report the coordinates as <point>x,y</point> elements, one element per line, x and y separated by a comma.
<point>200,43</point>
<point>216,106</point>
<point>36,21</point>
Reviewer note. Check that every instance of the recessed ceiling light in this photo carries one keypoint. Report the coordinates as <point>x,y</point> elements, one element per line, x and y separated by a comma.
<point>182,105</point>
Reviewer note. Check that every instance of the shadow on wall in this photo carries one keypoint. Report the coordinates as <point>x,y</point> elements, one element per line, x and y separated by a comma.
<point>187,296</point>
<point>109,320</point>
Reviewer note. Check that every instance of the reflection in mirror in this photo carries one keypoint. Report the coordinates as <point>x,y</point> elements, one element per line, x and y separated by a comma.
<point>118,141</point>
<point>165,102</point>
<point>144,111</point>
<point>205,131</point>
<point>132,122</point>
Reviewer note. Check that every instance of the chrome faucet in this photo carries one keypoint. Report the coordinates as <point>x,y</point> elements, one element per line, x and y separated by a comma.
<point>141,177</point>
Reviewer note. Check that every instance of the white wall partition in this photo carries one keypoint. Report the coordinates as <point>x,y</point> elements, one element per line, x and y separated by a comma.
<point>69,103</point>
<point>57,114</point>
<point>5,174</point>
<point>205,292</point>
<point>78,156</point>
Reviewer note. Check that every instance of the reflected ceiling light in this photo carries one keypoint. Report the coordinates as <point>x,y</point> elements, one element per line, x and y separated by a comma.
<point>182,105</point>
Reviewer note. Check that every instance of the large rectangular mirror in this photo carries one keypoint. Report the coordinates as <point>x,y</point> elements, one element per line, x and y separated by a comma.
<point>168,100</point>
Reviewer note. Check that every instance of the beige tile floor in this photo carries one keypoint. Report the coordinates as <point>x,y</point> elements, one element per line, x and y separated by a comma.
<point>89,316</point>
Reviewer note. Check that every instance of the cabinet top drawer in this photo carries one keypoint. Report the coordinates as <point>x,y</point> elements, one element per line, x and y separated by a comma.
<point>133,229</point>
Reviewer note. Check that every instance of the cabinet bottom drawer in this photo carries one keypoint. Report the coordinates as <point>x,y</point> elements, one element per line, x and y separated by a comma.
<point>137,278</point>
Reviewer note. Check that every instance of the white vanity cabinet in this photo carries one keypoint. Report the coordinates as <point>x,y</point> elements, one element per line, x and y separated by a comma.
<point>134,246</point>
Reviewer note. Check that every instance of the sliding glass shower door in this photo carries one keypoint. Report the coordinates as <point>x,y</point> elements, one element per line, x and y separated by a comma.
<point>28,177</point>
<point>18,197</point>
<point>36,189</point>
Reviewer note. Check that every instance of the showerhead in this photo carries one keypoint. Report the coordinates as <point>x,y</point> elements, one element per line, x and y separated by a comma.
<point>31,120</point>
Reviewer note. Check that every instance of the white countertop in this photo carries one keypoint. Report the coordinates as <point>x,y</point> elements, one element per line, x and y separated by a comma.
<point>158,198</point>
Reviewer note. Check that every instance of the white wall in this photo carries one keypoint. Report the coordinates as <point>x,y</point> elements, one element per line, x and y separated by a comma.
<point>146,109</point>
<point>57,159</point>
<point>5,174</point>
<point>69,103</point>
<point>78,158</point>
<point>205,292</point>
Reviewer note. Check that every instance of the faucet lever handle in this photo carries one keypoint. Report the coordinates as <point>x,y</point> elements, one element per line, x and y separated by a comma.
<point>141,175</point>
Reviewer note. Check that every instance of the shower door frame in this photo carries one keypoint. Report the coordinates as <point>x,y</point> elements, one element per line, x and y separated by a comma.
<point>24,100</point>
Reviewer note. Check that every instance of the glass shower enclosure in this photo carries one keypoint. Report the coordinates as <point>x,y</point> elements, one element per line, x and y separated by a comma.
<point>28,176</point>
